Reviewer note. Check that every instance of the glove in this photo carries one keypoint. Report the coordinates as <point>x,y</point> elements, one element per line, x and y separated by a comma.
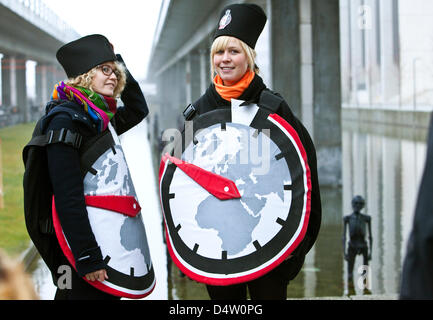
<point>129,77</point>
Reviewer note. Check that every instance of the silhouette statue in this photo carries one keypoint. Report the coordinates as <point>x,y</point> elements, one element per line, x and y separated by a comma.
<point>358,224</point>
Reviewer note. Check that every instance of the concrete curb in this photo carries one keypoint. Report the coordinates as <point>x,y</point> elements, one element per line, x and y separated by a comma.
<point>29,255</point>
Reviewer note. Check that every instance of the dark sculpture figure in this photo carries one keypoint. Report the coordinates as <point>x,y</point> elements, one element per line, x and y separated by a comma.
<point>357,224</point>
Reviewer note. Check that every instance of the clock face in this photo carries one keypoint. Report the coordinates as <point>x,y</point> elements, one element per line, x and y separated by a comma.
<point>223,242</point>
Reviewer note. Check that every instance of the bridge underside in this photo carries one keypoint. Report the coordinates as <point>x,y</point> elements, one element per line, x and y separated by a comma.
<point>19,36</point>
<point>27,35</point>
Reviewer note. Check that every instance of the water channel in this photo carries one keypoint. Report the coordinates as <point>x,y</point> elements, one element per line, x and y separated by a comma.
<point>380,162</point>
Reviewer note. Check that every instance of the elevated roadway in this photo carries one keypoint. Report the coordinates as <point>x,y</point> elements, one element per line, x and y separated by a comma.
<point>29,30</point>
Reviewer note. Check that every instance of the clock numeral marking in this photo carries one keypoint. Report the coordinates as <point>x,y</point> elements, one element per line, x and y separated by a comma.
<point>279,156</point>
<point>171,195</point>
<point>107,259</point>
<point>223,126</point>
<point>178,227</point>
<point>257,245</point>
<point>266,132</point>
<point>281,222</point>
<point>288,187</point>
<point>224,255</point>
<point>132,272</point>
<point>195,248</point>
<point>256,133</point>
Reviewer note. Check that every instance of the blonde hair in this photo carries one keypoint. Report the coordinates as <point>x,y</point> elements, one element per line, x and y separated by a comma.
<point>85,80</point>
<point>222,42</point>
<point>15,283</point>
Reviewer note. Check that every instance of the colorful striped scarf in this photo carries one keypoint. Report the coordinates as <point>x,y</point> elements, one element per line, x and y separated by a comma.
<point>100,109</point>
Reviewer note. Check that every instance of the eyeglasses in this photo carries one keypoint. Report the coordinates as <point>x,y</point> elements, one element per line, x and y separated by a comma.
<point>107,70</point>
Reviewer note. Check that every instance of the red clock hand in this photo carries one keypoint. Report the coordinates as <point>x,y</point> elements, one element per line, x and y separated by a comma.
<point>222,188</point>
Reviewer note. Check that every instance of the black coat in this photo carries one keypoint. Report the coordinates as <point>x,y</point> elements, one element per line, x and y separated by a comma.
<point>65,171</point>
<point>417,275</point>
<point>211,100</point>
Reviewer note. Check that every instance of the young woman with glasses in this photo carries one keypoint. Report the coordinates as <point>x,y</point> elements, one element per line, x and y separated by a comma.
<point>85,105</point>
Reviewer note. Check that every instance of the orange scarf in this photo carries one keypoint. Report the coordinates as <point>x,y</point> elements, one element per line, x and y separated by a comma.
<point>236,90</point>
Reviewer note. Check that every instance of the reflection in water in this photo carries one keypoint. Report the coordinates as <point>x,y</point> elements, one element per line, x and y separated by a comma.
<point>384,165</point>
<point>386,170</point>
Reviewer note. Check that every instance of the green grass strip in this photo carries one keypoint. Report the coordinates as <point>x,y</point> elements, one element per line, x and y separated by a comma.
<point>13,234</point>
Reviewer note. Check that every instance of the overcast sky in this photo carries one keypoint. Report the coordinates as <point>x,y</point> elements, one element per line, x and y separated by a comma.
<point>128,24</point>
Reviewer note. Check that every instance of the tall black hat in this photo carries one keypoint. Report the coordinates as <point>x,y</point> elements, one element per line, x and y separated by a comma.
<point>243,21</point>
<point>79,56</point>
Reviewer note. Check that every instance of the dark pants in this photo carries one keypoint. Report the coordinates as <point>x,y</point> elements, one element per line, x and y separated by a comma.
<point>81,290</point>
<point>271,286</point>
<point>352,253</point>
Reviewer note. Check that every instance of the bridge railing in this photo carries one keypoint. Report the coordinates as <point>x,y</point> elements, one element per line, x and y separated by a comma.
<point>37,12</point>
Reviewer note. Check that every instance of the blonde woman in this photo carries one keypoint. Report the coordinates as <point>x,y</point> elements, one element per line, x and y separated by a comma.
<point>85,107</point>
<point>236,76</point>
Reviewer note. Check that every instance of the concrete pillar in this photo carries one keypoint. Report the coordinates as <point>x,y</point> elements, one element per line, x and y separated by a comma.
<point>51,79</point>
<point>306,73</point>
<point>195,75</point>
<point>390,52</point>
<point>373,207</point>
<point>345,52</point>
<point>181,99</point>
<point>286,52</point>
<point>13,87</point>
<point>204,70</point>
<point>187,79</point>
<point>357,51</point>
<point>391,205</point>
<point>164,97</point>
<point>41,84</point>
<point>327,89</point>
<point>372,26</point>
<point>6,66</point>
<point>160,83</point>
<point>21,88</point>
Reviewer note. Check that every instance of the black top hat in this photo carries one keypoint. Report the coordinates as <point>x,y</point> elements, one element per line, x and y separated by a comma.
<point>79,56</point>
<point>242,21</point>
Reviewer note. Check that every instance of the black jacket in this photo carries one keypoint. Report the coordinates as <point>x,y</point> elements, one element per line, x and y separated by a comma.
<point>211,100</point>
<point>417,274</point>
<point>65,171</point>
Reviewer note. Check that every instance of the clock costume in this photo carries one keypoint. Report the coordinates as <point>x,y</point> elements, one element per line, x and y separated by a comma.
<point>95,213</point>
<point>231,218</point>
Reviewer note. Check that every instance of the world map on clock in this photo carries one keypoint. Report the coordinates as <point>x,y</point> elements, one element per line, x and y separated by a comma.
<point>236,153</point>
